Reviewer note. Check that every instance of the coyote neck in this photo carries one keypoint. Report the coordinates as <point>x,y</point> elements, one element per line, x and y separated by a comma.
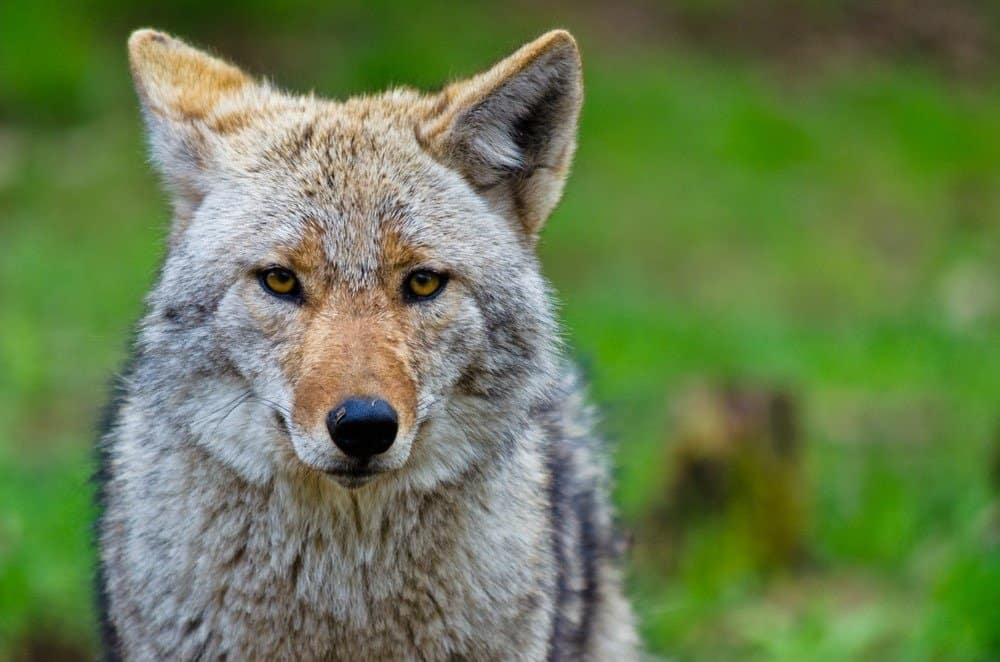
<point>451,562</point>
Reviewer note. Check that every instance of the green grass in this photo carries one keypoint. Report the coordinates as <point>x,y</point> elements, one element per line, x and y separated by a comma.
<point>834,231</point>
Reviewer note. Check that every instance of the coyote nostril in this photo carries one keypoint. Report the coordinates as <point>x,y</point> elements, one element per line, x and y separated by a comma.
<point>362,427</point>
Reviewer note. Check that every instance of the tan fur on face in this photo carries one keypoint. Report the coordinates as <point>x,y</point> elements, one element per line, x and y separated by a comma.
<point>308,256</point>
<point>351,354</point>
<point>354,343</point>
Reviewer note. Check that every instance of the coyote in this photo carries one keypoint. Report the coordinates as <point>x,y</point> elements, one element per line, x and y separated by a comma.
<point>348,429</point>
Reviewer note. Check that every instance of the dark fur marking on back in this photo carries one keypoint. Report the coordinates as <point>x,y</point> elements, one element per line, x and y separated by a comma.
<point>296,569</point>
<point>192,625</point>
<point>590,550</point>
<point>557,519</point>
<point>577,530</point>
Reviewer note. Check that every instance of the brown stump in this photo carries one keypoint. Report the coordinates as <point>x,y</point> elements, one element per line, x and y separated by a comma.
<point>735,458</point>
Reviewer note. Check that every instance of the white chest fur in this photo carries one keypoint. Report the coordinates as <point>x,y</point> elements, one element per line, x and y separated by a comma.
<point>301,568</point>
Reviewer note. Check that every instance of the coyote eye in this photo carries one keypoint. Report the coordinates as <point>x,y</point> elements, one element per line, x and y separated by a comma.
<point>279,282</point>
<point>424,284</point>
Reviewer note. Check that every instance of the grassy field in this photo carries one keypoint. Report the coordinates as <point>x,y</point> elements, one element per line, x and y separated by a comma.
<point>832,228</point>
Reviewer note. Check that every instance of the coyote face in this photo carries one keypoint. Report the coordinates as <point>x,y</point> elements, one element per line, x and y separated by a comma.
<point>351,299</point>
<point>357,278</point>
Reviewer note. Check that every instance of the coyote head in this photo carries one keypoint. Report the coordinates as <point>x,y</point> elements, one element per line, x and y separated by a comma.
<point>351,287</point>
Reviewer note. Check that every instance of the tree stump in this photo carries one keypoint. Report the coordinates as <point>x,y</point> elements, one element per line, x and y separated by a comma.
<point>735,459</point>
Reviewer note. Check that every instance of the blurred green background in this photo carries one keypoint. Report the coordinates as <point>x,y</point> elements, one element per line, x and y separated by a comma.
<point>798,201</point>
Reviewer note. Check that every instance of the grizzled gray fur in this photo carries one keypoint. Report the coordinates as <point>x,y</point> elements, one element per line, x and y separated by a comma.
<point>348,430</point>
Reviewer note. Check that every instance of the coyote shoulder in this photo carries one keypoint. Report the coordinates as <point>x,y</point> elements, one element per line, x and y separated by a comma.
<point>348,430</point>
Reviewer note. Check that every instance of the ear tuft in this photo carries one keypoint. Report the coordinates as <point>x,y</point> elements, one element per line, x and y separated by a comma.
<point>178,81</point>
<point>513,128</point>
<point>190,101</point>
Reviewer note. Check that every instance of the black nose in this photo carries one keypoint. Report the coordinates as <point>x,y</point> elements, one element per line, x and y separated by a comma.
<point>362,427</point>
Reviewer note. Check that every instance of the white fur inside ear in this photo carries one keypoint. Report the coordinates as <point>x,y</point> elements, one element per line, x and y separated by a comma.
<point>494,145</point>
<point>522,122</point>
<point>515,125</point>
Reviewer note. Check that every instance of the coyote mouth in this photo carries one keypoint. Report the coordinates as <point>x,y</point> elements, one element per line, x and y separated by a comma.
<point>353,478</point>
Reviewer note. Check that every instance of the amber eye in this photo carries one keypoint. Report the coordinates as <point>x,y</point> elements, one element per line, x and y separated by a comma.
<point>280,282</point>
<point>424,284</point>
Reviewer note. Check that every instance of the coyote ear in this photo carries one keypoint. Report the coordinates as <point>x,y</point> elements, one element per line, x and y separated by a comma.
<point>511,131</point>
<point>189,99</point>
